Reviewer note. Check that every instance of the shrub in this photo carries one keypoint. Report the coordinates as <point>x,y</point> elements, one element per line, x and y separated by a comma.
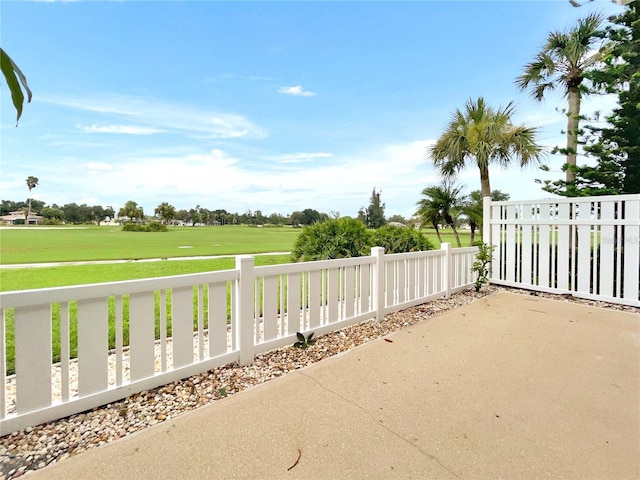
<point>132,227</point>
<point>401,239</point>
<point>156,227</point>
<point>152,227</point>
<point>335,238</point>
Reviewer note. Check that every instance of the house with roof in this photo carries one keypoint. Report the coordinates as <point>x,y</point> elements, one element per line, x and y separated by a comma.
<point>19,217</point>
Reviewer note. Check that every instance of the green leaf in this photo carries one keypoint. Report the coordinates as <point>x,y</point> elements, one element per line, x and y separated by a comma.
<point>300,336</point>
<point>10,70</point>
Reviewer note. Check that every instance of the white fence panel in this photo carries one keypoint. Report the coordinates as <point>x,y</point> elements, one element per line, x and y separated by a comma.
<point>170,328</point>
<point>585,246</point>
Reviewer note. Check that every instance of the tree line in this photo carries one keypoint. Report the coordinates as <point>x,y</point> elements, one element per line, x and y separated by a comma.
<point>164,213</point>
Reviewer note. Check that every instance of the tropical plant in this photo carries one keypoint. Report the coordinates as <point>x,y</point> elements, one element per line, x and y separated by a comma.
<point>563,62</point>
<point>32,182</point>
<point>472,209</point>
<point>401,239</point>
<point>429,212</point>
<point>441,204</point>
<point>334,238</point>
<point>16,82</point>
<point>484,135</point>
<point>481,264</point>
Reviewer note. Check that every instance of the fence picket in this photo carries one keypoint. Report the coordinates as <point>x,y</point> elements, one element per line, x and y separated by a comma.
<point>217,319</point>
<point>270,307</point>
<point>182,326</point>
<point>313,298</point>
<point>631,251</point>
<point>141,335</point>
<point>33,357</point>
<point>93,346</point>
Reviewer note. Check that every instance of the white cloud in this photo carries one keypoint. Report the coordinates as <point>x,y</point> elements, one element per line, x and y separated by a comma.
<point>297,91</point>
<point>160,116</point>
<point>97,167</point>
<point>124,129</point>
<point>219,179</point>
<point>302,157</point>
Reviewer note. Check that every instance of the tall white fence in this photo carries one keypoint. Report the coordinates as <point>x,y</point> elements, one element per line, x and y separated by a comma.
<point>587,246</point>
<point>165,329</point>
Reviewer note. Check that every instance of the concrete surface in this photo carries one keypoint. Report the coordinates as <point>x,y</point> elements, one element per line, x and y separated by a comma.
<point>511,386</point>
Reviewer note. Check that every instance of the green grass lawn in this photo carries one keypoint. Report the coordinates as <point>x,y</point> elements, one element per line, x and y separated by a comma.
<point>40,245</point>
<point>46,277</point>
<point>37,245</point>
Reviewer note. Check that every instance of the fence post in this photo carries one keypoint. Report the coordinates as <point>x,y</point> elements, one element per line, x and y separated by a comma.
<point>244,317</point>
<point>446,270</point>
<point>377,294</point>
<point>486,220</point>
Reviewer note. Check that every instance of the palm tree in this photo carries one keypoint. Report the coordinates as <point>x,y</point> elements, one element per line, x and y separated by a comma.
<point>563,61</point>
<point>484,135</point>
<point>166,212</point>
<point>472,208</point>
<point>32,182</point>
<point>441,203</point>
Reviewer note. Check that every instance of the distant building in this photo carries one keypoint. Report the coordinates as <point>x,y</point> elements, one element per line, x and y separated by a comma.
<point>18,217</point>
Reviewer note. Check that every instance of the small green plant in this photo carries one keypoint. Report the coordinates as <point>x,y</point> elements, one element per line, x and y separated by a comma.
<point>480,265</point>
<point>304,342</point>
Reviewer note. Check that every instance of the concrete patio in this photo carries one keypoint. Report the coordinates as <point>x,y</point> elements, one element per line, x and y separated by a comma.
<point>511,386</point>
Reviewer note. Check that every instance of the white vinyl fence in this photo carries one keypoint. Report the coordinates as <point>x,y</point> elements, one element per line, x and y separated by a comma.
<point>165,329</point>
<point>587,246</point>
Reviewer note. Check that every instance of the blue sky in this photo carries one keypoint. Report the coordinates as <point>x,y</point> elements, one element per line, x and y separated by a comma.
<point>271,106</point>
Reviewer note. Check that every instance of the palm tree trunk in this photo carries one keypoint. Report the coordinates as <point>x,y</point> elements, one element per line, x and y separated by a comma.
<point>26,220</point>
<point>473,227</point>
<point>455,232</point>
<point>452,224</point>
<point>573,120</point>
<point>435,225</point>
<point>484,181</point>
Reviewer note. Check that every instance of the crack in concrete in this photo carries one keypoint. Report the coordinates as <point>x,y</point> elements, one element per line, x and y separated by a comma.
<point>378,423</point>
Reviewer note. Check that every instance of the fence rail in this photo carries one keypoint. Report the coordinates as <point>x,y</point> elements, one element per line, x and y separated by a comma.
<point>586,246</point>
<point>116,339</point>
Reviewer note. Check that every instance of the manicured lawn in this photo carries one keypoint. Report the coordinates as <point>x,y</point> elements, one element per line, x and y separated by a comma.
<point>39,245</point>
<point>448,236</point>
<point>45,277</point>
<point>61,244</point>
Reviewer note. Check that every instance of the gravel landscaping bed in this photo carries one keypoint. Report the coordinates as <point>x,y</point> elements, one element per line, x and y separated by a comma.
<point>36,447</point>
